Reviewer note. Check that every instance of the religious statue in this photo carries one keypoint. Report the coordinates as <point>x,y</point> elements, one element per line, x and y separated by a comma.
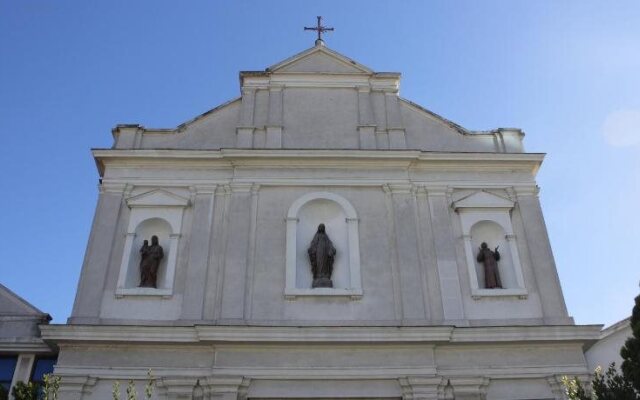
<point>490,260</point>
<point>150,257</point>
<point>321,255</point>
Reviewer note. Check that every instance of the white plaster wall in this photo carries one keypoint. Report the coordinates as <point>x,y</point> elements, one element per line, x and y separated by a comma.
<point>320,118</point>
<point>607,350</point>
<point>215,129</point>
<point>515,371</point>
<point>499,310</point>
<point>269,303</point>
<point>113,308</point>
<point>516,389</point>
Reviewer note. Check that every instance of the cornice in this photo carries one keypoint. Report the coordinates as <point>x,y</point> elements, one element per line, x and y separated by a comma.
<point>201,334</point>
<point>35,345</point>
<point>234,158</point>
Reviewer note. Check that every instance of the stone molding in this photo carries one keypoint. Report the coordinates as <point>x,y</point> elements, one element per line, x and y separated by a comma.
<point>337,334</point>
<point>216,386</point>
<point>414,159</point>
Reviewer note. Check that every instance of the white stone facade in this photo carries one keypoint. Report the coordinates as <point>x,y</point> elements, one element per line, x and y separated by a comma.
<point>235,195</point>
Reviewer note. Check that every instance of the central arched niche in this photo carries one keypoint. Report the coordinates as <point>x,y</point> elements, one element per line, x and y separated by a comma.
<point>341,224</point>
<point>329,213</point>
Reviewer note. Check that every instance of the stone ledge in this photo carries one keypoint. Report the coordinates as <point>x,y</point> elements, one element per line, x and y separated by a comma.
<point>200,334</point>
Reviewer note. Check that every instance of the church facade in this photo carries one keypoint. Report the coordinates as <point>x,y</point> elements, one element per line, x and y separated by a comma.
<point>433,275</point>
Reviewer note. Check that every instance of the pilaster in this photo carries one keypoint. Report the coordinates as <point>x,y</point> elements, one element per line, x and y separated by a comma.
<point>213,387</point>
<point>366,124</point>
<point>245,127</point>
<point>421,387</point>
<point>444,245</point>
<point>406,244</point>
<point>395,128</point>
<point>274,124</point>
<point>203,201</point>
<point>213,294</point>
<point>128,136</point>
<point>22,372</point>
<point>433,297</point>
<point>470,388</point>
<point>541,255</point>
<point>251,251</point>
<point>558,389</point>
<point>236,257</point>
<point>393,254</point>
<point>75,387</point>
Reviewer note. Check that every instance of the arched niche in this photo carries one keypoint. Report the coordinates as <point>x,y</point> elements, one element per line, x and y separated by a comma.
<point>494,235</point>
<point>486,217</point>
<point>144,231</point>
<point>341,222</point>
<point>157,212</point>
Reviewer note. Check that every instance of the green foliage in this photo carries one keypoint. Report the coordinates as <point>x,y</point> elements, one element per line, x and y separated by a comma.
<point>4,395</point>
<point>26,391</point>
<point>115,390</point>
<point>51,387</point>
<point>612,386</point>
<point>148,388</point>
<point>574,390</point>
<point>608,386</point>
<point>630,352</point>
<point>131,391</point>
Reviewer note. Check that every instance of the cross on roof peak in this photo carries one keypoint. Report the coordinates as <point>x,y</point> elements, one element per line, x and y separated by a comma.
<point>320,29</point>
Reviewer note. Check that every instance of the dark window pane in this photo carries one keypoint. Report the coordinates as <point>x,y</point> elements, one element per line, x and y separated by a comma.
<point>7,366</point>
<point>41,367</point>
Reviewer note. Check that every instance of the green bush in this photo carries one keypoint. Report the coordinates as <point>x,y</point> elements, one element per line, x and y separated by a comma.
<point>26,391</point>
<point>612,385</point>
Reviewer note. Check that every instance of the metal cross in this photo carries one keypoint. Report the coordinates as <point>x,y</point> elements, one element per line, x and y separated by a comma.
<point>320,29</point>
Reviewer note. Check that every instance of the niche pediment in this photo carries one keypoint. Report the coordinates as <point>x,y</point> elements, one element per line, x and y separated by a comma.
<point>157,198</point>
<point>483,199</point>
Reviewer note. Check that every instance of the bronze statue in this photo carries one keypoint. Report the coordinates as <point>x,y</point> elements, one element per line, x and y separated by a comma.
<point>321,255</point>
<point>490,260</point>
<point>150,257</point>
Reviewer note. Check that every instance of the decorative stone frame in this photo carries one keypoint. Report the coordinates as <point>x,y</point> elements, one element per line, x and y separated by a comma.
<point>484,206</point>
<point>160,204</point>
<point>291,291</point>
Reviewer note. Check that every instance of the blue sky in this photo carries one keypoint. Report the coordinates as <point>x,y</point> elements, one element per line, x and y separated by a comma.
<point>567,72</point>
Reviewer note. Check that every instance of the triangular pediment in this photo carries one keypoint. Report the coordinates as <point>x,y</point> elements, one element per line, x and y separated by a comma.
<point>320,59</point>
<point>483,199</point>
<point>157,198</point>
<point>12,304</point>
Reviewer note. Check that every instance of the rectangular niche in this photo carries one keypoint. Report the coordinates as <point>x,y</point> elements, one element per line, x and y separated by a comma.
<point>486,217</point>
<point>341,223</point>
<point>158,212</point>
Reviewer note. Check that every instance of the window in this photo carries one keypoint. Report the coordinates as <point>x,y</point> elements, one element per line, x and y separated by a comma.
<point>41,367</point>
<point>7,368</point>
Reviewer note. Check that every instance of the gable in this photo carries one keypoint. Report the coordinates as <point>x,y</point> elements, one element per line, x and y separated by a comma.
<point>12,304</point>
<point>157,198</point>
<point>483,199</point>
<point>320,59</point>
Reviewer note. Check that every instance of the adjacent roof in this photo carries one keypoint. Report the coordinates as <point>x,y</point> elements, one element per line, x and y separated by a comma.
<point>13,305</point>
